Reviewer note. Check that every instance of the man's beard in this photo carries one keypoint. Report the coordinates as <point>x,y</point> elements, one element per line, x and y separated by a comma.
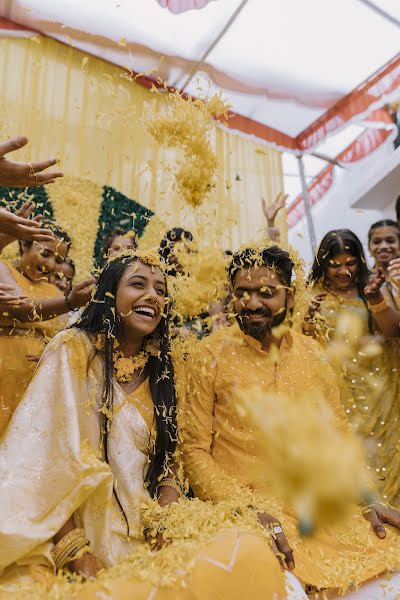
<point>258,331</point>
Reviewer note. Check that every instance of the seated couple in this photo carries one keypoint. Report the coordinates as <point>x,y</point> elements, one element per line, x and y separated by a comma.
<point>95,438</point>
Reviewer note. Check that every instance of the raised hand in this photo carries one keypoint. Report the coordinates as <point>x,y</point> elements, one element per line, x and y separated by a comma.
<point>81,293</point>
<point>19,226</point>
<point>22,174</point>
<point>372,290</point>
<point>271,211</point>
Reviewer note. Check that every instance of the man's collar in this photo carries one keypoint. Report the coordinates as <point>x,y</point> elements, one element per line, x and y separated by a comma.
<point>286,343</point>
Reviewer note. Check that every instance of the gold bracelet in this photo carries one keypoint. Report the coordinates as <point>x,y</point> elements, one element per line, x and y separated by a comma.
<point>73,554</point>
<point>68,547</point>
<point>65,554</point>
<point>167,482</point>
<point>378,308</point>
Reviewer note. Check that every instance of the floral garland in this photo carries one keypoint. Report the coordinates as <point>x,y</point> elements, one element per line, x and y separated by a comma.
<point>125,366</point>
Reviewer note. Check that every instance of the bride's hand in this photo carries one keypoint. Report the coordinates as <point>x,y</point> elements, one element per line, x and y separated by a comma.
<point>87,565</point>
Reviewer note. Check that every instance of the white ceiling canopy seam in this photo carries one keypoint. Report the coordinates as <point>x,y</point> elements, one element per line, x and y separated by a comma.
<point>219,37</point>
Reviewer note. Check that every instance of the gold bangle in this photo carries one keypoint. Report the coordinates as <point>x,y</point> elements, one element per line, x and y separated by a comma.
<point>69,555</point>
<point>167,482</point>
<point>69,547</point>
<point>66,553</point>
<point>74,556</point>
<point>378,308</point>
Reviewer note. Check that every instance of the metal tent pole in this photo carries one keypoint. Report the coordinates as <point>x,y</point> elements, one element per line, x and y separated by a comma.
<point>307,205</point>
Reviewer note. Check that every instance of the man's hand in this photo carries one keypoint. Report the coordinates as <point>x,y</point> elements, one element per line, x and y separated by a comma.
<point>372,290</point>
<point>271,211</point>
<point>88,566</point>
<point>280,545</point>
<point>20,174</point>
<point>19,227</point>
<point>378,514</point>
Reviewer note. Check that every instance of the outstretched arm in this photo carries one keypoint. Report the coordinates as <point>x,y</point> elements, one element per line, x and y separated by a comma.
<point>22,174</point>
<point>43,308</point>
<point>19,226</point>
<point>271,212</point>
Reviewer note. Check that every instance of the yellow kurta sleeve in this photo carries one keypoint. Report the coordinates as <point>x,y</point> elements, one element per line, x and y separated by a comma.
<point>207,479</point>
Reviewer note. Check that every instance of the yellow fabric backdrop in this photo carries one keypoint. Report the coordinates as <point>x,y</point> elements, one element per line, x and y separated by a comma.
<point>88,113</point>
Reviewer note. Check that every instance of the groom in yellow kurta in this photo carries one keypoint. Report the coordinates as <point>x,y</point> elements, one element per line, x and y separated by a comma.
<point>223,455</point>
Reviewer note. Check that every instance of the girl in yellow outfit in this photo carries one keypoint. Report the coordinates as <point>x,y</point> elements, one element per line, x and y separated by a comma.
<point>91,442</point>
<point>26,326</point>
<point>341,284</point>
<point>384,247</point>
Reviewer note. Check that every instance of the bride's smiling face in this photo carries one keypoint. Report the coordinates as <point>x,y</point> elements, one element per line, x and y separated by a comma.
<point>140,299</point>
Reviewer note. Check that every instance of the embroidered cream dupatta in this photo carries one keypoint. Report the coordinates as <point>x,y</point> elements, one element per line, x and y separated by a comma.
<point>51,458</point>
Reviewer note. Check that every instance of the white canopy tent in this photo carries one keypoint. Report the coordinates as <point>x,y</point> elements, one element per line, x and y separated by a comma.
<point>309,77</point>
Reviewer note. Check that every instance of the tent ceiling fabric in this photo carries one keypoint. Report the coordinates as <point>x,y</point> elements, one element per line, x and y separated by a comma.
<point>306,77</point>
<point>282,65</point>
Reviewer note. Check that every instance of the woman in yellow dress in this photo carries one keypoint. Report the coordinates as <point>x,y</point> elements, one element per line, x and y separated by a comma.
<point>341,284</point>
<point>25,327</point>
<point>93,440</point>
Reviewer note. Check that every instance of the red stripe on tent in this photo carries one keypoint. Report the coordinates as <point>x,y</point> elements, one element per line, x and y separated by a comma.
<point>367,142</point>
<point>385,81</point>
<point>6,24</point>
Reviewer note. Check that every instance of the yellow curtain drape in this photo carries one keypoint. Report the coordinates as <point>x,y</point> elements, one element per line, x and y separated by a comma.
<point>88,113</point>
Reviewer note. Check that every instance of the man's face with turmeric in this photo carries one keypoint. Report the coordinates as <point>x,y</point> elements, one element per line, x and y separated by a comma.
<point>260,300</point>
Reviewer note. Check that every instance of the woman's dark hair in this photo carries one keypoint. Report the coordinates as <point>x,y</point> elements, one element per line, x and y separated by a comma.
<point>273,256</point>
<point>337,242</point>
<point>398,208</point>
<point>100,316</point>
<point>169,240</point>
<point>108,240</point>
<point>384,223</point>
